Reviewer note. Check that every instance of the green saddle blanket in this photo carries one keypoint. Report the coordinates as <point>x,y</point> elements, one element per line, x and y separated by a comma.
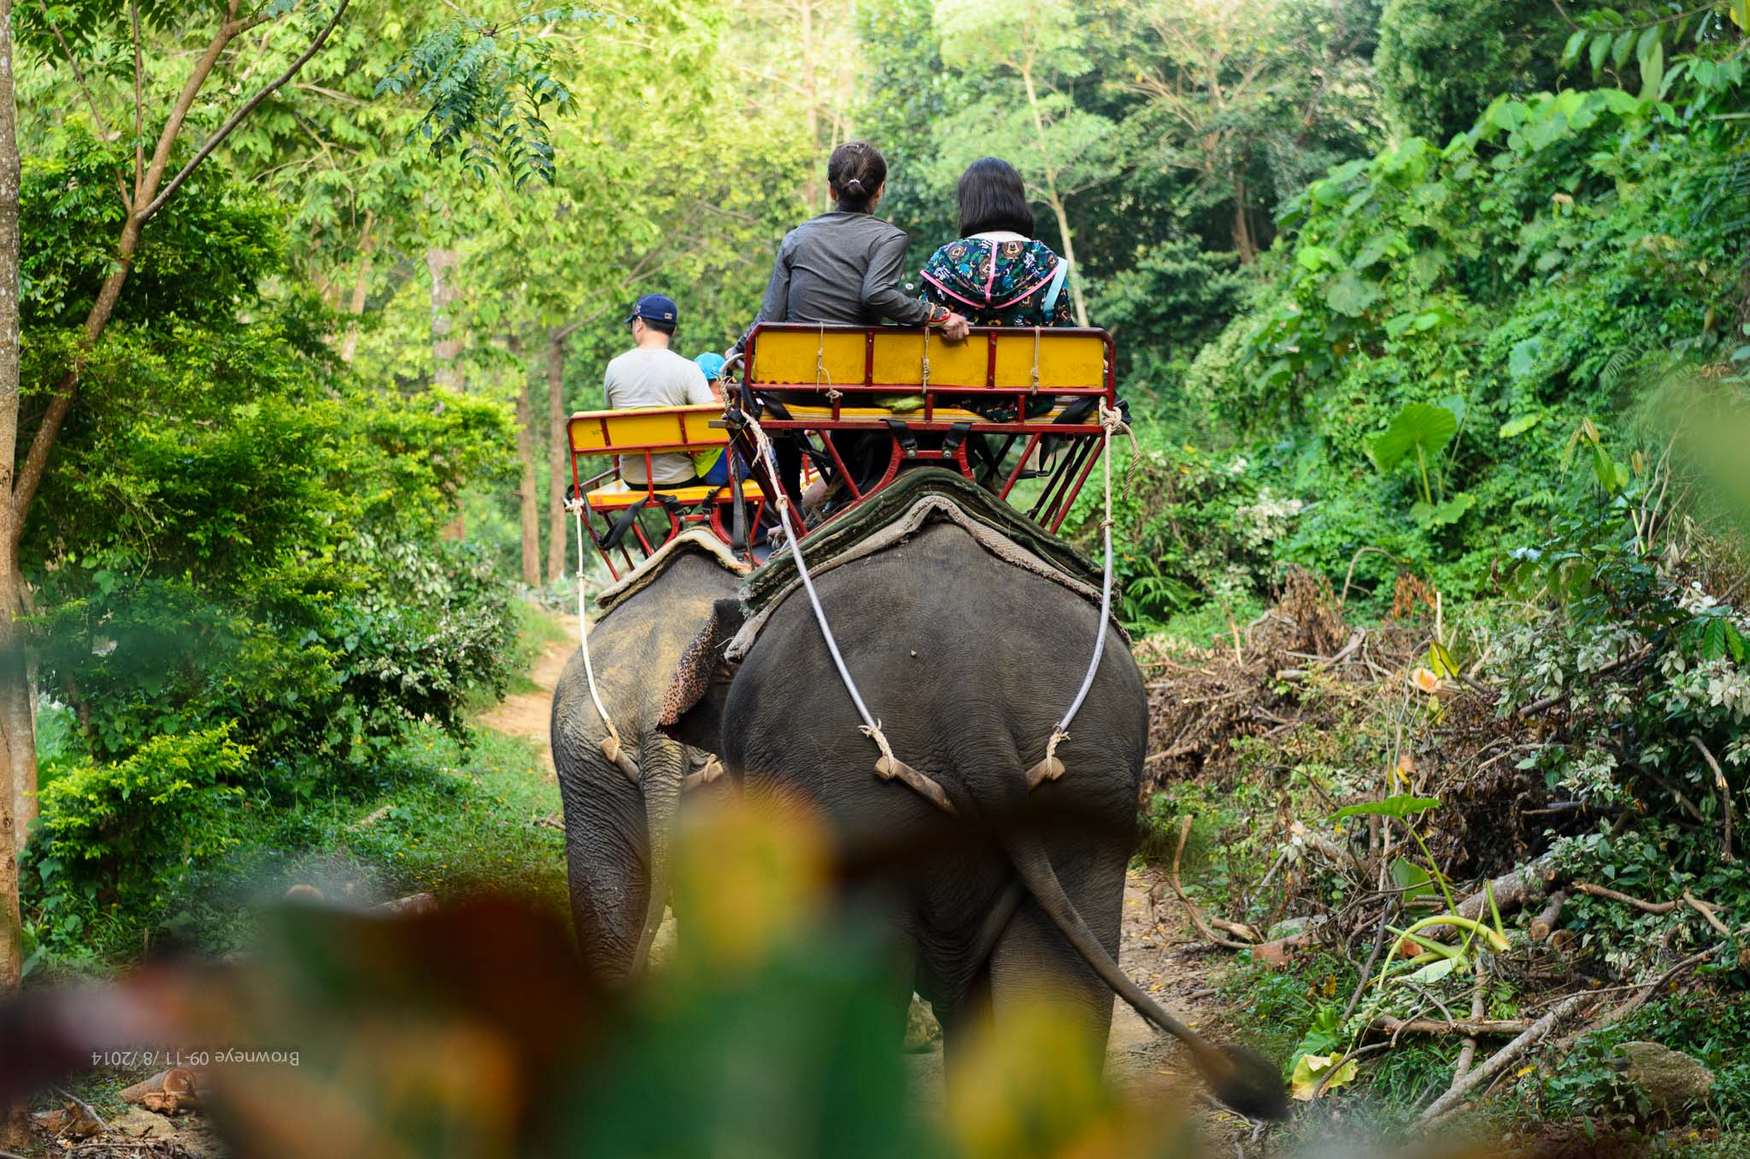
<point>914,500</point>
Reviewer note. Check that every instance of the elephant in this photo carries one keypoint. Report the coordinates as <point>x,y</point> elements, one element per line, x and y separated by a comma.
<point>997,872</point>
<point>621,807</point>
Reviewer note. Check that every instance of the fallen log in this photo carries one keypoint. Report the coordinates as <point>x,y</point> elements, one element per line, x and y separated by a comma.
<point>410,906</point>
<point>1469,1027</point>
<point>1513,890</point>
<point>166,1092</point>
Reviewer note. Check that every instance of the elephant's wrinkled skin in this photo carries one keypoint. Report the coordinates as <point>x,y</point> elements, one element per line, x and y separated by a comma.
<point>968,662</point>
<point>617,833</point>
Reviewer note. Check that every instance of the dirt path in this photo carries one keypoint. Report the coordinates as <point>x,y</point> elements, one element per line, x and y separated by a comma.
<point>525,714</point>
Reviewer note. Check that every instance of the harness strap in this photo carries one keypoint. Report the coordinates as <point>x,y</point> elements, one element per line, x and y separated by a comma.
<point>612,747</point>
<point>888,766</point>
<point>1051,768</point>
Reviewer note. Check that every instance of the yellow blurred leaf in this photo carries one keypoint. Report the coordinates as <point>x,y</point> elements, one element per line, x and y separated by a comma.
<point>1310,1072</point>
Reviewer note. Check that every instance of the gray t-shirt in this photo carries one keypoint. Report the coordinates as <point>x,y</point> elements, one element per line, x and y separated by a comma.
<point>655,377</point>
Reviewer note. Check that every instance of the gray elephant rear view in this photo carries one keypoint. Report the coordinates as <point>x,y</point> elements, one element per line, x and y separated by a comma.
<point>620,815</point>
<point>998,873</point>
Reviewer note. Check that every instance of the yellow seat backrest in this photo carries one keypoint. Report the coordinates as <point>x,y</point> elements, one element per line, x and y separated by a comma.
<point>647,428</point>
<point>889,357</point>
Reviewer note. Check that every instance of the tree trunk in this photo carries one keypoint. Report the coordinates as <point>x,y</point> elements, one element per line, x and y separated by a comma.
<point>558,458</point>
<point>1069,253</point>
<point>1244,245</point>
<point>446,342</point>
<point>1057,207</point>
<point>811,108</point>
<point>356,307</point>
<point>14,1121</point>
<point>531,504</point>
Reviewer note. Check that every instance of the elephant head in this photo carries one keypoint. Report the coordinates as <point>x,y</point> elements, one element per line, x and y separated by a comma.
<point>620,814</point>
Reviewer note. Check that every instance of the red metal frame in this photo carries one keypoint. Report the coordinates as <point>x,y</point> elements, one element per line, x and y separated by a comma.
<point>1080,441</point>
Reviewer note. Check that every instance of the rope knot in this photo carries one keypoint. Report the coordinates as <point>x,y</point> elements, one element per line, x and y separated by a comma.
<point>888,766</point>
<point>1049,769</point>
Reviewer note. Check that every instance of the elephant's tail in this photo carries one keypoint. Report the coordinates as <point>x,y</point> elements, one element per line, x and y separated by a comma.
<point>1244,1081</point>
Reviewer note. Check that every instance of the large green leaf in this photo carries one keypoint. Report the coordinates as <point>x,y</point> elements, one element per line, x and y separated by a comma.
<point>1351,295</point>
<point>1432,515</point>
<point>1419,425</point>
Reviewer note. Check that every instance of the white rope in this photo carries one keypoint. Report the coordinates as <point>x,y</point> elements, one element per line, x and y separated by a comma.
<point>1111,420</point>
<point>576,506</point>
<point>833,393</point>
<point>871,727</point>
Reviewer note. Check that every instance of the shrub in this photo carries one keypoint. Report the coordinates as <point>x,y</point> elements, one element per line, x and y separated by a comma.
<point>128,832</point>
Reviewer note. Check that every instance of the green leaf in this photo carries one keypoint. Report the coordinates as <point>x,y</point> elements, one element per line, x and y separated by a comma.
<point>1523,359</point>
<point>1419,425</point>
<point>1513,428</point>
<point>1309,1075</point>
<point>1411,878</point>
<point>1430,516</point>
<point>1600,49</point>
<point>1350,296</point>
<point>1652,66</point>
<point>1433,971</point>
<point>1625,44</point>
<point>1571,51</point>
<point>1389,807</point>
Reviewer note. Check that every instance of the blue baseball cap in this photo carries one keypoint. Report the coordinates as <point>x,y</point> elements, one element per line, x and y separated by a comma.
<point>711,365</point>
<point>655,308</point>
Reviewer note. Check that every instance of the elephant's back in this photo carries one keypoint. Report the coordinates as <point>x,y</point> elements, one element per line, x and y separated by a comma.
<point>966,659</point>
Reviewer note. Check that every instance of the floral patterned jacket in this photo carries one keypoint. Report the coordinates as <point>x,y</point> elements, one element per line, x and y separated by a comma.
<point>1004,281</point>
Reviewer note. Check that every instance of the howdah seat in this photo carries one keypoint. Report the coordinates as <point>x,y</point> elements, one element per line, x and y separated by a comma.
<point>1004,406</point>
<point>624,517</point>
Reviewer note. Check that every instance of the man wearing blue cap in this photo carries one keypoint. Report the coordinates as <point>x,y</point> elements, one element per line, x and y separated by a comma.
<point>650,374</point>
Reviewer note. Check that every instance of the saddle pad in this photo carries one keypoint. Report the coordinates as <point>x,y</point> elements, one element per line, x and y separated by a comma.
<point>897,512</point>
<point>696,540</point>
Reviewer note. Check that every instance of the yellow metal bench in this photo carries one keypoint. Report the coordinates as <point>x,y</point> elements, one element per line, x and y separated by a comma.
<point>616,504</point>
<point>1021,402</point>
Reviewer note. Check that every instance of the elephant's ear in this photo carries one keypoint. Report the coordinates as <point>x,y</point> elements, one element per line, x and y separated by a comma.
<point>692,710</point>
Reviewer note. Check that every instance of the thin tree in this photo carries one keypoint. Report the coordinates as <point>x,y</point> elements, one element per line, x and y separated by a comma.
<point>14,1125</point>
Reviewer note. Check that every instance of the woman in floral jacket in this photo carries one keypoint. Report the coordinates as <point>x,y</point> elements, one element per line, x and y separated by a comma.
<point>996,274</point>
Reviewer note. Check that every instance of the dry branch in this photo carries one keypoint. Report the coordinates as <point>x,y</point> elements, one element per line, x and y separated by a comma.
<point>1190,908</point>
<point>1651,907</point>
<point>1546,920</point>
<point>1721,786</point>
<point>1504,1057</point>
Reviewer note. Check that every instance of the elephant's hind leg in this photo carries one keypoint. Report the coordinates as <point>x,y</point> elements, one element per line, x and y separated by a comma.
<point>1033,962</point>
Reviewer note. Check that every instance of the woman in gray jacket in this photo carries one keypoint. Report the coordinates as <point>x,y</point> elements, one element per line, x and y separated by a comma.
<point>843,267</point>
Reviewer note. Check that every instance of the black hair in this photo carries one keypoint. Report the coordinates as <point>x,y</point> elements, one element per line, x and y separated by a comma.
<point>993,196</point>
<point>856,170</point>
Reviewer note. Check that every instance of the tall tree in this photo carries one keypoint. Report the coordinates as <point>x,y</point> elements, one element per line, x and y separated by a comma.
<point>1038,46</point>
<point>151,188</point>
<point>14,1126</point>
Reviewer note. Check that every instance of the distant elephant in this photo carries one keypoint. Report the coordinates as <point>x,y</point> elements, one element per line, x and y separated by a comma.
<point>1013,879</point>
<point>620,817</point>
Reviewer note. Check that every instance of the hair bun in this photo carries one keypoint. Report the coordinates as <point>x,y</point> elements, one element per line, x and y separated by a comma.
<point>854,187</point>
